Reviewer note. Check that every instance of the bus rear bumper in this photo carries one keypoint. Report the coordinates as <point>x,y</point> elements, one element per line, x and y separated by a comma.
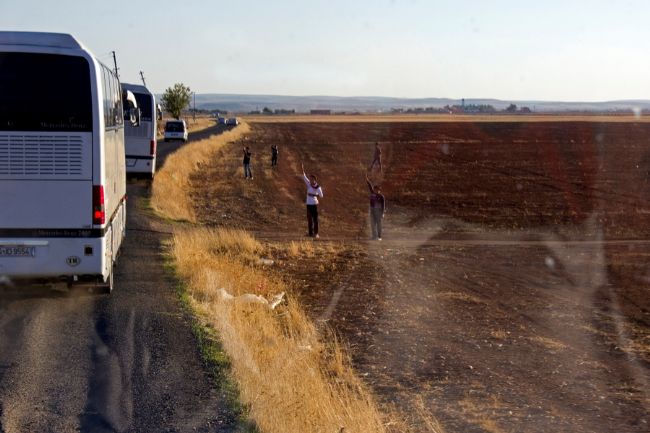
<point>51,258</point>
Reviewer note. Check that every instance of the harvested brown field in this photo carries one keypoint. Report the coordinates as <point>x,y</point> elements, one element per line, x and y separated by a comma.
<point>510,292</point>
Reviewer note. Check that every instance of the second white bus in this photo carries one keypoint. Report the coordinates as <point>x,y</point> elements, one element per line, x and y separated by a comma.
<point>140,141</point>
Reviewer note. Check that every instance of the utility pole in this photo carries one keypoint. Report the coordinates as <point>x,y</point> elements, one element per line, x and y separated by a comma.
<point>142,76</point>
<point>115,63</point>
<point>194,106</point>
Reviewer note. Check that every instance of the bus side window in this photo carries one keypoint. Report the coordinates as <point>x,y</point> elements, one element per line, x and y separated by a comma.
<point>117,102</point>
<point>108,91</point>
<point>104,95</point>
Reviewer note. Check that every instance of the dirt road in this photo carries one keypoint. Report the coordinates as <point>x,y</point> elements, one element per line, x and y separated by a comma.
<point>511,290</point>
<point>125,362</point>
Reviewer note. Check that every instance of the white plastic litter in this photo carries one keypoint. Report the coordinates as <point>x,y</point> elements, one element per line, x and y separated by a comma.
<point>249,298</point>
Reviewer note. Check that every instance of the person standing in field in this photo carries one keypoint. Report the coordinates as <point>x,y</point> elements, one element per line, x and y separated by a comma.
<point>313,192</point>
<point>376,159</point>
<point>377,209</point>
<point>247,163</point>
<point>274,155</point>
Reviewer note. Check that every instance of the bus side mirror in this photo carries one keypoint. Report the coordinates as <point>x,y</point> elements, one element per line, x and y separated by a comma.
<point>131,110</point>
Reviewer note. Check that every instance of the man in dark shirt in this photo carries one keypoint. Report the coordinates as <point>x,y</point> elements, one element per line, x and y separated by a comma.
<point>376,159</point>
<point>377,209</point>
<point>247,163</point>
<point>274,155</point>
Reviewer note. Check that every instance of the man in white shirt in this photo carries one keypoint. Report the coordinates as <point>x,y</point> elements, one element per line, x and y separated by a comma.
<point>313,192</point>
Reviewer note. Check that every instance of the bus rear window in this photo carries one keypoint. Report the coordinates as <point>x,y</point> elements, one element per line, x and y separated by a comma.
<point>174,127</point>
<point>44,92</point>
<point>145,105</point>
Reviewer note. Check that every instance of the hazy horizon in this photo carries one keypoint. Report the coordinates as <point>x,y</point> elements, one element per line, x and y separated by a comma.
<point>468,98</point>
<point>556,51</point>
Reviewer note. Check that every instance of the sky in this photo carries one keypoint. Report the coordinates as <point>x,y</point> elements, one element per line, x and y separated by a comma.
<point>564,50</point>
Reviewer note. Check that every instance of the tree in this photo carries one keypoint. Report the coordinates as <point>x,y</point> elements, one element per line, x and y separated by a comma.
<point>176,98</point>
<point>512,108</point>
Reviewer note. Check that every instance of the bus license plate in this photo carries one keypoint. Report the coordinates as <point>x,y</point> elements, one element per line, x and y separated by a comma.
<point>16,251</point>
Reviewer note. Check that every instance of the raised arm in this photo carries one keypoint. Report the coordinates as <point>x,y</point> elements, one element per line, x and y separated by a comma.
<point>370,186</point>
<point>304,176</point>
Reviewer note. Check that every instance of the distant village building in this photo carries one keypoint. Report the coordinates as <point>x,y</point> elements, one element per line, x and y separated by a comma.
<point>320,112</point>
<point>469,109</point>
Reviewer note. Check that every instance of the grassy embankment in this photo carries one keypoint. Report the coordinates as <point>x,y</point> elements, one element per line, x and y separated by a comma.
<point>170,189</point>
<point>290,376</point>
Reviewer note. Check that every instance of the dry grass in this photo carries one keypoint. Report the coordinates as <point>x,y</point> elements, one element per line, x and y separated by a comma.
<point>430,423</point>
<point>457,296</point>
<point>301,248</point>
<point>548,343</point>
<point>480,411</point>
<point>499,334</point>
<point>490,426</point>
<point>289,377</point>
<point>171,186</point>
<point>199,124</point>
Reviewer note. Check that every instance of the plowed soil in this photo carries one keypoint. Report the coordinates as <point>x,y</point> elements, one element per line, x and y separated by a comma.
<point>511,290</point>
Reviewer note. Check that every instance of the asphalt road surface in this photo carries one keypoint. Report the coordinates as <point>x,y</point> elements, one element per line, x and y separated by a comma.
<point>125,362</point>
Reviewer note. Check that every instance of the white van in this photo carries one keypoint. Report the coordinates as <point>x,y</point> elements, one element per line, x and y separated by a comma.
<point>140,141</point>
<point>176,130</point>
<point>62,172</point>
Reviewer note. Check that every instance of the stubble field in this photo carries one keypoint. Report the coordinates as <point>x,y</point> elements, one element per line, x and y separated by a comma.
<point>510,292</point>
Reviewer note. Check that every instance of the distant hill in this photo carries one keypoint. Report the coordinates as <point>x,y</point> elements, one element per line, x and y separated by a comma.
<point>247,103</point>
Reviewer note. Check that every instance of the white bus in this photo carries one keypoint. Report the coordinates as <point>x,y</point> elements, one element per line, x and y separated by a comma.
<point>62,173</point>
<point>140,141</point>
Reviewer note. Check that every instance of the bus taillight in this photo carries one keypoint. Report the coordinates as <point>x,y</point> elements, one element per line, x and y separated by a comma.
<point>152,148</point>
<point>99,211</point>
